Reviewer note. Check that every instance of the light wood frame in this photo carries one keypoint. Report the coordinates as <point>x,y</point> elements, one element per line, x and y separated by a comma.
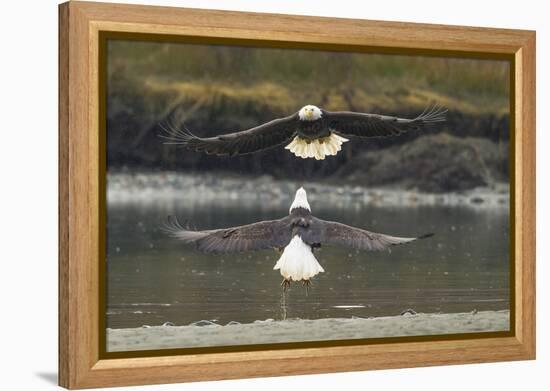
<point>80,24</point>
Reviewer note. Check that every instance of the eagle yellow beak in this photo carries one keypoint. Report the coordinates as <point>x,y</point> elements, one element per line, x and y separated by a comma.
<point>309,114</point>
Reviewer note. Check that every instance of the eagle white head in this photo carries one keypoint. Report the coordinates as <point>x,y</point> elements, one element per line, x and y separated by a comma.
<point>300,200</point>
<point>310,113</point>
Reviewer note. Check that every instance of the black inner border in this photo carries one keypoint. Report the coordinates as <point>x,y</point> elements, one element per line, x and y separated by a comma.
<point>105,36</point>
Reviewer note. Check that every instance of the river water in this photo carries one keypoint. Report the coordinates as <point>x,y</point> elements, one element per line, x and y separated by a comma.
<point>153,279</point>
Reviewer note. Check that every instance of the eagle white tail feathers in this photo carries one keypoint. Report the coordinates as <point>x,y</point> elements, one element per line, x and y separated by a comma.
<point>297,261</point>
<point>318,148</point>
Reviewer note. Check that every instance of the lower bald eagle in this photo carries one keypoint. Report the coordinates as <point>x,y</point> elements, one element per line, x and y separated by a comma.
<point>294,236</point>
<point>312,132</point>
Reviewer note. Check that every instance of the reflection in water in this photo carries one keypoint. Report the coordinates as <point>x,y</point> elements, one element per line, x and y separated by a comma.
<point>153,279</point>
<point>283,305</point>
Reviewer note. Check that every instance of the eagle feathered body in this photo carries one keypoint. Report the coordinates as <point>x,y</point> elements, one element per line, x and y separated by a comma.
<point>312,132</point>
<point>296,235</point>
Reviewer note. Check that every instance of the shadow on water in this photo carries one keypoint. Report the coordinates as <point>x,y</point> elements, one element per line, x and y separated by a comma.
<point>153,279</point>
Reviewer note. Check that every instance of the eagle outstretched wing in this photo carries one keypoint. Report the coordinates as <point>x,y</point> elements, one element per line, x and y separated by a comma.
<point>348,123</point>
<point>265,136</point>
<point>322,231</point>
<point>251,237</point>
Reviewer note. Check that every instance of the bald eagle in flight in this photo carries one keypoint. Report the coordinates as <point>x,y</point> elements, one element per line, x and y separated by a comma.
<point>294,236</point>
<point>310,133</point>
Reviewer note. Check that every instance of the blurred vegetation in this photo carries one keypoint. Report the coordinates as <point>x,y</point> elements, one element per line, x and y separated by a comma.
<point>288,78</point>
<point>219,89</point>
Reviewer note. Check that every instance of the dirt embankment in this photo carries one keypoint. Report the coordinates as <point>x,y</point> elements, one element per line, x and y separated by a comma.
<point>469,150</point>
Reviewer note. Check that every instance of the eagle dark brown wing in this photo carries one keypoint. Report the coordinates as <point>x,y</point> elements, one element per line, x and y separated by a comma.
<point>347,123</point>
<point>252,237</point>
<point>321,231</point>
<point>265,136</point>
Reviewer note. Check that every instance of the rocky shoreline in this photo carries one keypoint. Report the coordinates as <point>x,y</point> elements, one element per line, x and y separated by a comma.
<point>168,186</point>
<point>204,333</point>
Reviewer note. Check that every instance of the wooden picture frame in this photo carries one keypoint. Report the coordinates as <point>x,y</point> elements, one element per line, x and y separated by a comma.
<point>82,190</point>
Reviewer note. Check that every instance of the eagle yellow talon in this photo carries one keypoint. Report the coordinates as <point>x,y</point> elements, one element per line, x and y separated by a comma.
<point>285,284</point>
